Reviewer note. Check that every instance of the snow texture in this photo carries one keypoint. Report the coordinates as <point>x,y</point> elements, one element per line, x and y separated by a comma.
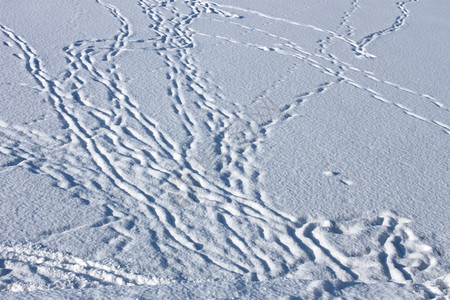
<point>226,149</point>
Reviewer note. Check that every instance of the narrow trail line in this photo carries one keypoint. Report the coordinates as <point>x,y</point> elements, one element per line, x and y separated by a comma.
<point>349,31</point>
<point>399,22</point>
<point>330,65</point>
<point>156,189</point>
<point>355,46</point>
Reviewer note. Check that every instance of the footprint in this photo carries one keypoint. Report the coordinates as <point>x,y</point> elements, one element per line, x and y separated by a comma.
<point>331,173</point>
<point>338,176</point>
<point>347,182</point>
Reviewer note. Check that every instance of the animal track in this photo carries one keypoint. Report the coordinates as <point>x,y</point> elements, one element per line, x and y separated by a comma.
<point>382,248</point>
<point>343,180</point>
<point>195,201</point>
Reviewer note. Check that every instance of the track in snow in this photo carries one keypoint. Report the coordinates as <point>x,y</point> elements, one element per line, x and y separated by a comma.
<point>159,188</point>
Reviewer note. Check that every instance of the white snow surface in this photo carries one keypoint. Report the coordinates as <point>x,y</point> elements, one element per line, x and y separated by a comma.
<point>292,149</point>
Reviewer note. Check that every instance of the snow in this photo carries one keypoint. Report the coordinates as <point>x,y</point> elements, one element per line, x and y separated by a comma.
<point>227,149</point>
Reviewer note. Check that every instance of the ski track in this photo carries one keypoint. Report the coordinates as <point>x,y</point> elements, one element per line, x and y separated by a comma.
<point>157,180</point>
